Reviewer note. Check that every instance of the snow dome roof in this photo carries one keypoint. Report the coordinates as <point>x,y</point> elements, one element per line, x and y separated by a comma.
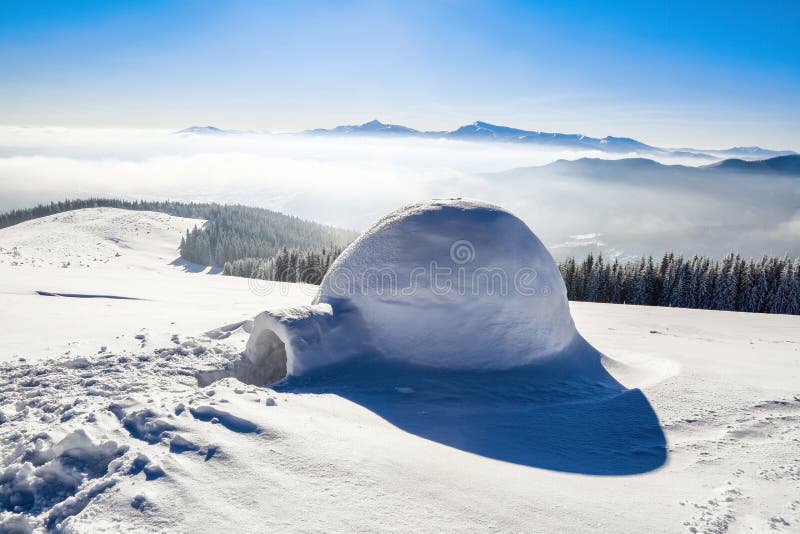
<point>453,283</point>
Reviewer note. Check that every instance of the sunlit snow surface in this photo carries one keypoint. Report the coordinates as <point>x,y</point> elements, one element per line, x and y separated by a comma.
<point>140,437</point>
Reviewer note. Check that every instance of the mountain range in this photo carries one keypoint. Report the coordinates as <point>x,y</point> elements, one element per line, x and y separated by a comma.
<point>484,131</point>
<point>643,169</point>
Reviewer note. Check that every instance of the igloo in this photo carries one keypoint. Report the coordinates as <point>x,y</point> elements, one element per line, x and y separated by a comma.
<point>455,284</point>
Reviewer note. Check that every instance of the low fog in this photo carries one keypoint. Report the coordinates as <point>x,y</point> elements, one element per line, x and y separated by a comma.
<point>623,210</point>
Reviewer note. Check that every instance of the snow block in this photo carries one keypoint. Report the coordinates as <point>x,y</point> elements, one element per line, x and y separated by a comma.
<point>454,284</point>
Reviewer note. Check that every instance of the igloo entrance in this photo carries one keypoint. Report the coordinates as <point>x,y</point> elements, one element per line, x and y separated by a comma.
<point>266,361</point>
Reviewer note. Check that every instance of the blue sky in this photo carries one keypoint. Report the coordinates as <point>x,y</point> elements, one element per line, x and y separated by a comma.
<point>673,73</point>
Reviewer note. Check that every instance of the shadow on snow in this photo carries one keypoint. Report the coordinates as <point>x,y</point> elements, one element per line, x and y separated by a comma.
<point>567,415</point>
<point>189,267</point>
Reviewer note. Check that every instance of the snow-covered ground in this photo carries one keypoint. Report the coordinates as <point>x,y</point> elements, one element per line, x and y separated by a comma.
<point>114,421</point>
<point>127,286</point>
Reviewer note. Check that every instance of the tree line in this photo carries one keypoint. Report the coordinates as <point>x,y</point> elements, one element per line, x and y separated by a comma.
<point>240,233</point>
<point>179,209</point>
<point>765,285</point>
<point>289,265</point>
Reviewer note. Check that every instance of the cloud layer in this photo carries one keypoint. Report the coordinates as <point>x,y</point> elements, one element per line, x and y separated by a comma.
<point>352,182</point>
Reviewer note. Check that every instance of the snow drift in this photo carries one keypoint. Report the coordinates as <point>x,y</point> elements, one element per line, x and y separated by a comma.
<point>451,284</point>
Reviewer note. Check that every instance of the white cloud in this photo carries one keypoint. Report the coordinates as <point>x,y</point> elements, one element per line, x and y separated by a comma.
<point>352,182</point>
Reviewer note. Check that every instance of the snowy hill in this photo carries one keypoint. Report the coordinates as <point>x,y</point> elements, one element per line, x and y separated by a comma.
<point>86,237</point>
<point>106,276</point>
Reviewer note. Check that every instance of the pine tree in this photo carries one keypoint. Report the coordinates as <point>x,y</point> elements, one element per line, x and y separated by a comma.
<point>769,285</point>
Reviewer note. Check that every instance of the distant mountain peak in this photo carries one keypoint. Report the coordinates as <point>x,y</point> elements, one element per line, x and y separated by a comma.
<point>373,127</point>
<point>201,130</point>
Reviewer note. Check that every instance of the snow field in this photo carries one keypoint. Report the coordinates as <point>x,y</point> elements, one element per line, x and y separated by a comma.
<point>128,288</point>
<point>156,433</point>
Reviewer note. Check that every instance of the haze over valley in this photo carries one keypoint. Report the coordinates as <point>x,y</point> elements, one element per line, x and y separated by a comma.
<point>693,202</point>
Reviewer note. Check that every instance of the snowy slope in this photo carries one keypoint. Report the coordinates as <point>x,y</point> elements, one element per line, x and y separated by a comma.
<point>96,236</point>
<point>724,386</point>
<point>122,272</point>
<point>142,438</point>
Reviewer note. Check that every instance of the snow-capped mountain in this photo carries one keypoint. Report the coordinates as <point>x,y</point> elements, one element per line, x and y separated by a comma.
<point>484,131</point>
<point>213,130</point>
<point>480,131</point>
<point>203,130</point>
<point>373,127</point>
